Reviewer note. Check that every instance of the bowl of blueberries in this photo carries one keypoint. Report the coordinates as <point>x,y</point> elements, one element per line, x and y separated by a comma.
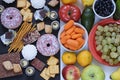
<point>104,8</point>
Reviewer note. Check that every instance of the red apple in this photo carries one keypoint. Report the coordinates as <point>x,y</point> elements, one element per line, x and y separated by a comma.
<point>71,72</point>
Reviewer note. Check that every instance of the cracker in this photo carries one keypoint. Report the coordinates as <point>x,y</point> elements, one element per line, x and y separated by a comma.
<point>21,3</point>
<point>48,29</point>
<point>17,68</point>
<point>22,11</point>
<point>43,74</point>
<point>27,5</point>
<point>7,65</point>
<point>27,17</point>
<point>52,61</point>
<point>40,26</point>
<point>54,69</point>
<point>48,73</point>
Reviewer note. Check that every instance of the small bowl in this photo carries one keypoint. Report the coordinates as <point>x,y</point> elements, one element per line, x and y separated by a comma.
<point>101,17</point>
<point>92,43</point>
<point>85,37</point>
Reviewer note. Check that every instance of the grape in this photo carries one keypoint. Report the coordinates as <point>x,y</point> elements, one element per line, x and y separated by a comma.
<point>104,42</point>
<point>115,25</point>
<point>113,34</point>
<point>111,25</point>
<point>98,33</point>
<point>99,47</point>
<point>111,29</point>
<point>98,42</point>
<point>109,40</point>
<point>100,38</point>
<point>110,46</point>
<point>117,40</point>
<point>103,56</point>
<point>106,28</point>
<point>113,55</point>
<point>110,61</point>
<point>105,48</point>
<point>107,58</point>
<point>100,28</point>
<point>108,34</point>
<point>118,49</point>
<point>113,49</point>
<point>119,58</point>
<point>116,61</point>
<point>96,37</point>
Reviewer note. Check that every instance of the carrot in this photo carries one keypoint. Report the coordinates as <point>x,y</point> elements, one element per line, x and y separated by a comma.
<point>79,30</point>
<point>64,39</point>
<point>81,44</point>
<point>62,34</point>
<point>70,30</point>
<point>73,43</point>
<point>69,24</point>
<point>75,36</point>
<point>72,48</point>
<point>66,45</point>
<point>73,33</point>
<point>80,40</point>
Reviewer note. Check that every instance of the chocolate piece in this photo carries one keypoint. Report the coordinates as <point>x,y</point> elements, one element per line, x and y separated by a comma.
<point>38,64</point>
<point>14,58</point>
<point>31,37</point>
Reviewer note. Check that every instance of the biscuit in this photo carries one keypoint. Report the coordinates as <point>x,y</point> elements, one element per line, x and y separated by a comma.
<point>48,29</point>
<point>7,65</point>
<point>43,74</point>
<point>21,3</point>
<point>17,68</point>
<point>52,61</point>
<point>40,26</point>
<point>54,69</point>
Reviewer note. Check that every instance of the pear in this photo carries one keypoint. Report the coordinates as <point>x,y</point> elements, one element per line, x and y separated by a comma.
<point>115,75</point>
<point>92,72</point>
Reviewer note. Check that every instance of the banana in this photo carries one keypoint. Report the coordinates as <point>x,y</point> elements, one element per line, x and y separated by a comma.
<point>115,75</point>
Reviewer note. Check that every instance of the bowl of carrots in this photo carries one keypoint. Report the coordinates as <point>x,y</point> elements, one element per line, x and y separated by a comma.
<point>72,36</point>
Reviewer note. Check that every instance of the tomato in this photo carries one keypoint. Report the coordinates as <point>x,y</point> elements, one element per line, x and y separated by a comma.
<point>69,12</point>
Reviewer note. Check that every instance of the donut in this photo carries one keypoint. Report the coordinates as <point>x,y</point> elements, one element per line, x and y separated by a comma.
<point>11,18</point>
<point>48,45</point>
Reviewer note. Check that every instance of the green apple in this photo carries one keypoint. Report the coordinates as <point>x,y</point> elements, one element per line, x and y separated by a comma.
<point>92,72</point>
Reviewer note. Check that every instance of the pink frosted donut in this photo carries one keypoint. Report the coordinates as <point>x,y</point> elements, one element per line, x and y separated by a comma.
<point>48,45</point>
<point>11,18</point>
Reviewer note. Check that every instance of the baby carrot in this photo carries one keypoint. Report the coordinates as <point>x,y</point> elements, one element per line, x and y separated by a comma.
<point>70,30</point>
<point>73,43</point>
<point>65,38</point>
<point>80,40</point>
<point>81,44</point>
<point>73,33</point>
<point>75,36</point>
<point>66,45</point>
<point>79,30</point>
<point>69,24</point>
<point>72,48</point>
<point>62,34</point>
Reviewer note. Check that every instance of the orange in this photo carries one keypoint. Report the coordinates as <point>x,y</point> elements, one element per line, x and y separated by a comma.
<point>84,58</point>
<point>69,58</point>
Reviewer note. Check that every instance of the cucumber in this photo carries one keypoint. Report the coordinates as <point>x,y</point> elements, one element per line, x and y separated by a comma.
<point>116,15</point>
<point>87,18</point>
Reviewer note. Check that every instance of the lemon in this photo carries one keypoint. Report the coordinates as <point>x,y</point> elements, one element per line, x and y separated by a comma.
<point>87,2</point>
<point>84,58</point>
<point>69,58</point>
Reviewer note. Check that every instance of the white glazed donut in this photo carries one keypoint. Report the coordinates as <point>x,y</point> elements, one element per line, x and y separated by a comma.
<point>48,45</point>
<point>11,18</point>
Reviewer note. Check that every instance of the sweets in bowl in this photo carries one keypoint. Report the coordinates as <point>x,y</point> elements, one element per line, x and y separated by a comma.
<point>73,36</point>
<point>104,42</point>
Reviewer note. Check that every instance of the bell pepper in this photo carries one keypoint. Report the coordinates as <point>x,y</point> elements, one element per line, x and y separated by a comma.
<point>87,2</point>
<point>68,1</point>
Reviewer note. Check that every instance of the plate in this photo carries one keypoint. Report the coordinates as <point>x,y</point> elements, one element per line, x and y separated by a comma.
<point>107,69</point>
<point>91,41</point>
<point>3,48</point>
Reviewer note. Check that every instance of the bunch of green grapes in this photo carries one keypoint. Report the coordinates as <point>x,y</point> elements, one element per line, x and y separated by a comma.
<point>108,42</point>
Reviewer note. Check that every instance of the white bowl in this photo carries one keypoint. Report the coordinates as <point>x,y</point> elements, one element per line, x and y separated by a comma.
<point>101,17</point>
<point>85,37</point>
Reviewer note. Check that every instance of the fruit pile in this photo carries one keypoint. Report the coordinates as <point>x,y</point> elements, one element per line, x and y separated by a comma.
<point>106,39</point>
